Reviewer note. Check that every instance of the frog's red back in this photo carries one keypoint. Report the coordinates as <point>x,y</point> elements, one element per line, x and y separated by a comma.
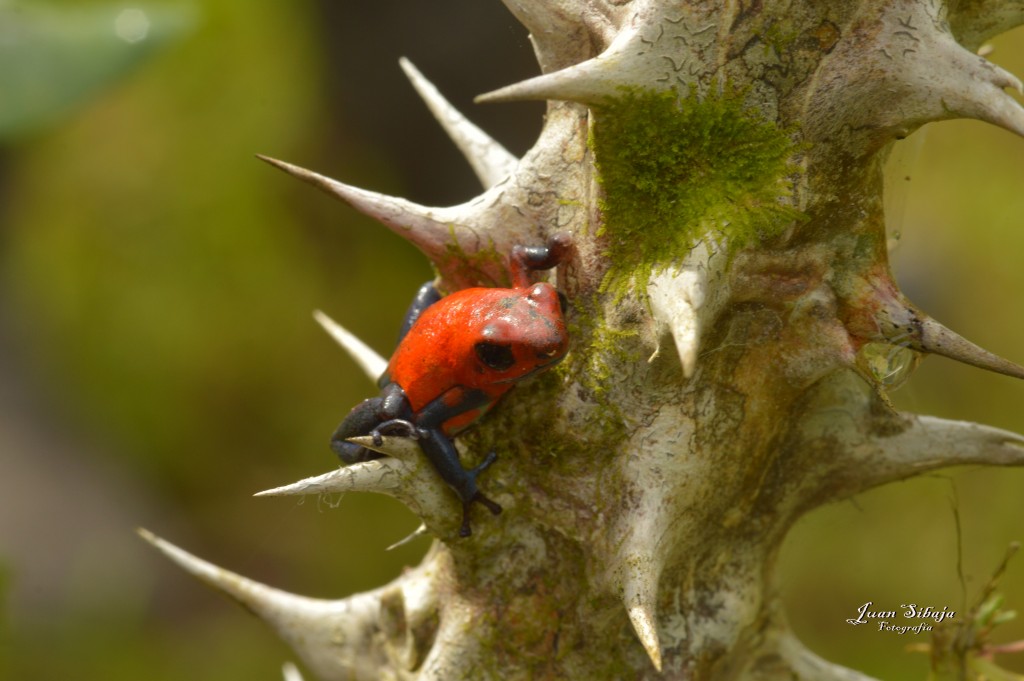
<point>479,339</point>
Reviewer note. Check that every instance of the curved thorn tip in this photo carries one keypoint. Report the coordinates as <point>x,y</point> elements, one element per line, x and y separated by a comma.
<point>418,532</point>
<point>639,596</point>
<point>646,628</point>
<point>676,297</point>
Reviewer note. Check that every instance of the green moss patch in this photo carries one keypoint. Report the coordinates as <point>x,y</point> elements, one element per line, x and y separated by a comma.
<point>678,169</point>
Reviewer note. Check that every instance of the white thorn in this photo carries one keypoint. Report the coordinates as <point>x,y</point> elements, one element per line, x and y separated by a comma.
<point>258,597</point>
<point>418,532</point>
<point>975,87</point>
<point>402,474</point>
<point>590,82</point>
<point>639,583</point>
<point>290,672</point>
<point>965,442</point>
<point>804,664</point>
<point>383,476</point>
<point>225,580</point>
<point>1002,78</point>
<point>642,534</point>
<point>426,227</point>
<point>324,634</point>
<point>372,364</point>
<point>676,296</point>
<point>996,106</point>
<point>646,628</point>
<point>926,443</point>
<point>445,235</point>
<point>490,161</point>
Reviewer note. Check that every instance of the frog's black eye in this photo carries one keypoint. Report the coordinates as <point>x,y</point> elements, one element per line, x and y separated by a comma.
<point>497,357</point>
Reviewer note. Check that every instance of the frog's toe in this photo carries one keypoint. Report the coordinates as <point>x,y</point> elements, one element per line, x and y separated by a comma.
<point>484,465</point>
<point>465,530</point>
<point>394,427</point>
<point>492,506</point>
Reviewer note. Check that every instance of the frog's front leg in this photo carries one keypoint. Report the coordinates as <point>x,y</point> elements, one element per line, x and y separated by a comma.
<point>526,259</point>
<point>390,407</point>
<point>441,452</point>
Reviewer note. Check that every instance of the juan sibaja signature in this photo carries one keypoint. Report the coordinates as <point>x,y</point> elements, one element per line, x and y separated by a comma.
<point>887,619</point>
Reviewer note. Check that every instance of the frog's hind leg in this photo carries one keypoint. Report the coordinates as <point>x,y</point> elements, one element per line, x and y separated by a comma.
<point>360,421</point>
<point>390,407</point>
<point>441,452</point>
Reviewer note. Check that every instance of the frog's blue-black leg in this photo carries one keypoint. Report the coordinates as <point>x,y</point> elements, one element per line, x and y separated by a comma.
<point>389,408</point>
<point>444,457</point>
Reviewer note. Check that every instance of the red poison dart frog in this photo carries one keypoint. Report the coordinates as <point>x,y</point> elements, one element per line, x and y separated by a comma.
<point>458,355</point>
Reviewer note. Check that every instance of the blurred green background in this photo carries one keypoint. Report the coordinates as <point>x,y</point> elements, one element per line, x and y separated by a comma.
<point>158,361</point>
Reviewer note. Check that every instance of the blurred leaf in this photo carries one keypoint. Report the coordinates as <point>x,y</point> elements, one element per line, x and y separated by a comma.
<point>54,59</point>
<point>988,610</point>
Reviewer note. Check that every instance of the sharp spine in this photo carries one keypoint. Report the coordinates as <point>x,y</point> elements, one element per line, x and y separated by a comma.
<point>645,625</point>
<point>585,83</point>
<point>490,160</point>
<point>426,227</point>
<point>937,339</point>
<point>377,475</point>
<point>372,364</point>
<point>897,321</point>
